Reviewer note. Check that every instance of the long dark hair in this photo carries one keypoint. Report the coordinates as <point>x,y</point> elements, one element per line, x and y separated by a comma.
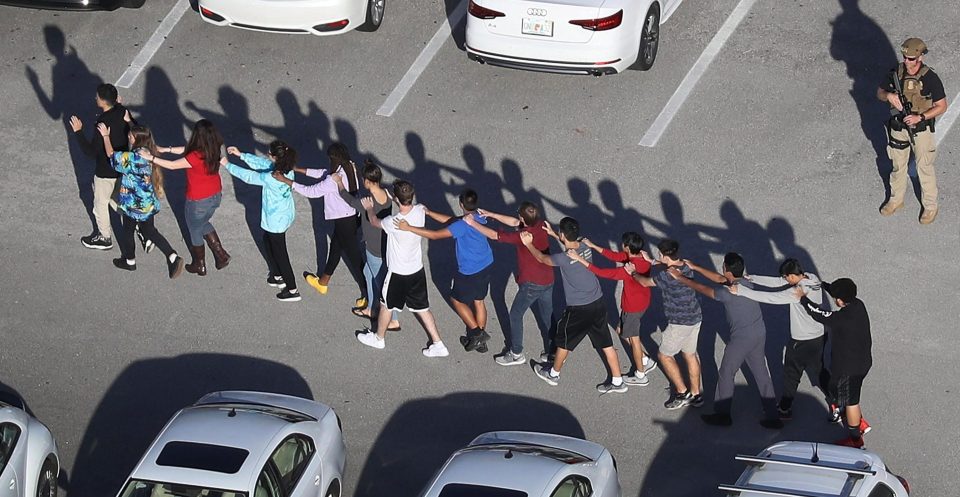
<point>207,141</point>
<point>143,138</point>
<point>285,157</point>
<point>340,157</point>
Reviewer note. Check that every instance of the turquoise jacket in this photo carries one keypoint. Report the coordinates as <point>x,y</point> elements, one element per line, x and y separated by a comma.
<point>276,211</point>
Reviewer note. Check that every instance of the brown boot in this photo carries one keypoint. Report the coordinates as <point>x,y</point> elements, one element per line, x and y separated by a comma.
<point>221,257</point>
<point>198,265</point>
<point>890,208</point>
<point>928,216</point>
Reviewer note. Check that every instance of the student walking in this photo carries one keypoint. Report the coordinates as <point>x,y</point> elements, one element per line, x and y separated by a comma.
<point>346,223</point>
<point>406,281</point>
<point>204,192</point>
<point>534,280</point>
<point>277,210</point>
<point>585,314</point>
<point>474,257</point>
<point>141,187</point>
<point>748,337</point>
<point>852,358</point>
<point>682,309</point>
<point>105,176</point>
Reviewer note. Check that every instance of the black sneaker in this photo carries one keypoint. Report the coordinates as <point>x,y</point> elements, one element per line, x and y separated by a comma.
<point>717,419</point>
<point>121,263</point>
<point>176,267</point>
<point>677,401</point>
<point>475,341</point>
<point>96,242</point>
<point>288,296</point>
<point>276,281</point>
<point>696,401</point>
<point>785,414</point>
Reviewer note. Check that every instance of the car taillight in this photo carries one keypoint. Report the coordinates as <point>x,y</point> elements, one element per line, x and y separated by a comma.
<point>483,12</point>
<point>209,14</point>
<point>601,24</point>
<point>332,26</point>
<point>903,481</point>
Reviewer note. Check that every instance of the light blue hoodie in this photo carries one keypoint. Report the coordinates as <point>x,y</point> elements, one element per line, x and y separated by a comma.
<point>276,211</point>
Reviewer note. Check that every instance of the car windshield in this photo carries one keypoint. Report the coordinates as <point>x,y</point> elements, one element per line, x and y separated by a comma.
<point>465,490</point>
<point>140,488</point>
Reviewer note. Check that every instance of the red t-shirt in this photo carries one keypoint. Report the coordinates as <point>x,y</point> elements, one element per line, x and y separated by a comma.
<point>635,297</point>
<point>529,269</point>
<point>200,183</point>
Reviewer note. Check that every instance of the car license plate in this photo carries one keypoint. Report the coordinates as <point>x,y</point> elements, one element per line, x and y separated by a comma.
<point>539,27</point>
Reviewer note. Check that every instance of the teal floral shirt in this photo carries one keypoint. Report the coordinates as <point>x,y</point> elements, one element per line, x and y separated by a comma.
<point>137,198</point>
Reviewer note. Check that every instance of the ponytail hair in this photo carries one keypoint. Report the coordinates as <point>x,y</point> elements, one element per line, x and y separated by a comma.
<point>340,158</point>
<point>143,138</point>
<point>285,157</point>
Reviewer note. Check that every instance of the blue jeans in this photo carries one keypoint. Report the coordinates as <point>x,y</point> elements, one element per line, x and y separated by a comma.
<point>198,214</point>
<point>375,272</point>
<point>526,296</point>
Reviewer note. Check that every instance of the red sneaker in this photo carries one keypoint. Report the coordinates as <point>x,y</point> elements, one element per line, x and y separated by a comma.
<point>864,426</point>
<point>850,442</point>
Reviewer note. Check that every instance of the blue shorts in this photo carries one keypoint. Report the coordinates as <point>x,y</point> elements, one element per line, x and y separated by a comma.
<point>471,288</point>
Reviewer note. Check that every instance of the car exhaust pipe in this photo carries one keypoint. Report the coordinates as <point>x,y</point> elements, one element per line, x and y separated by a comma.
<point>596,73</point>
<point>481,61</point>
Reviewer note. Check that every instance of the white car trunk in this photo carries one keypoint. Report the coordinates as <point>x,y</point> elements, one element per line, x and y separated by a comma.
<point>547,20</point>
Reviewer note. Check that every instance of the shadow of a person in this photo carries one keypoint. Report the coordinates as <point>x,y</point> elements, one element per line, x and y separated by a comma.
<point>72,94</point>
<point>860,43</point>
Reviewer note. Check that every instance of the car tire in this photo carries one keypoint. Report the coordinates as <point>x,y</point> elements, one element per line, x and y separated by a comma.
<point>47,481</point>
<point>649,40</point>
<point>375,10</point>
<point>334,489</point>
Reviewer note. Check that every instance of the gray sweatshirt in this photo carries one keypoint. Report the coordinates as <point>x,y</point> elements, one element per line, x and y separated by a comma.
<point>802,326</point>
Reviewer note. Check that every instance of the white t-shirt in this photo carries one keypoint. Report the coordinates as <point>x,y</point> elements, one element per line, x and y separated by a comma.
<point>404,255</point>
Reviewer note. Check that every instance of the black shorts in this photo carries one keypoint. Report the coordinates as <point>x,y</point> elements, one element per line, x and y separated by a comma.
<point>845,389</point>
<point>472,287</point>
<point>406,289</point>
<point>579,321</point>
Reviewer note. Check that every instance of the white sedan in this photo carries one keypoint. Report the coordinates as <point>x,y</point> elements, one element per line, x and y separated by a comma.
<point>318,17</point>
<point>567,36</point>
<point>29,462</point>
<point>523,464</point>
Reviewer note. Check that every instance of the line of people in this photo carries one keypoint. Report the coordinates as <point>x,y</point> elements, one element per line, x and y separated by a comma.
<point>384,255</point>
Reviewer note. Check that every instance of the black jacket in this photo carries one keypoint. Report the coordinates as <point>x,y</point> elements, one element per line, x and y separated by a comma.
<point>93,147</point>
<point>850,340</point>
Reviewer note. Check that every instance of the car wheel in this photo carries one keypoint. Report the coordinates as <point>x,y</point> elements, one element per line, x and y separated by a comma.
<point>375,10</point>
<point>334,490</point>
<point>47,482</point>
<point>649,40</point>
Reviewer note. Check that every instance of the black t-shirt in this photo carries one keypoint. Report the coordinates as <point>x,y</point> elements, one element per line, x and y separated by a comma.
<point>932,86</point>
<point>93,146</point>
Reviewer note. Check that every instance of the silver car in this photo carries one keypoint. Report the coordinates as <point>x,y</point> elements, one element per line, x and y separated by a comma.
<point>29,462</point>
<point>244,444</point>
<point>524,464</point>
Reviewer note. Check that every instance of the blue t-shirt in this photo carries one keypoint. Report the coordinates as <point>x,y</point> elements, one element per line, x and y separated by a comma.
<point>473,249</point>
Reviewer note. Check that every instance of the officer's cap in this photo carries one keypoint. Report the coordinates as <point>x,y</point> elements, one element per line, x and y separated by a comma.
<point>913,47</point>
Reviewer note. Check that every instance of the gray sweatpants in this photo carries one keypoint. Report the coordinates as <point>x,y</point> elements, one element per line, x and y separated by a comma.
<point>745,347</point>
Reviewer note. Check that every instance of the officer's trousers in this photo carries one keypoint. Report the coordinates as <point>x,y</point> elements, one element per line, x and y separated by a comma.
<point>925,151</point>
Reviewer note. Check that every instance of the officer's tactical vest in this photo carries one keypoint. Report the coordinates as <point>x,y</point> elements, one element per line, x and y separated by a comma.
<point>912,86</point>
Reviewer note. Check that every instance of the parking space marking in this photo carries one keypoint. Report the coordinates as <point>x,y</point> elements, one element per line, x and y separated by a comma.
<point>660,124</point>
<point>948,118</point>
<point>153,44</point>
<point>423,60</point>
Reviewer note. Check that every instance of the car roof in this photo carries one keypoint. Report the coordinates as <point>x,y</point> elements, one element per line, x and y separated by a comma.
<point>580,446</point>
<point>253,431</point>
<point>791,469</point>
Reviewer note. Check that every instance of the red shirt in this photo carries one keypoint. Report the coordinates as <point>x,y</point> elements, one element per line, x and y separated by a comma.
<point>200,183</point>
<point>529,269</point>
<point>635,297</point>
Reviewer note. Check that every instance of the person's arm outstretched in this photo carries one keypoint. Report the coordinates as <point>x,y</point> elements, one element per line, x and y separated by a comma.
<point>639,278</point>
<point>707,273</point>
<point>502,219</point>
<point>440,234</point>
<point>542,258</point>
<point>485,231</point>
<point>696,285</point>
<point>248,176</point>
<point>436,216</point>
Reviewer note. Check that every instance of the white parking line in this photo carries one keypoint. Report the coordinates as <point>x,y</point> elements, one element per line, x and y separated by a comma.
<point>659,126</point>
<point>153,44</point>
<point>948,118</point>
<point>423,60</point>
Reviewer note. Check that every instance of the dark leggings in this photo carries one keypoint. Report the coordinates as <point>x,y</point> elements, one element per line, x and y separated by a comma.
<point>147,230</point>
<point>344,243</point>
<point>275,244</point>
<point>800,356</point>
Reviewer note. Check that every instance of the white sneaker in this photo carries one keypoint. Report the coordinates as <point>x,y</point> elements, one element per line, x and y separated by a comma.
<point>436,349</point>
<point>648,364</point>
<point>637,378</point>
<point>371,339</point>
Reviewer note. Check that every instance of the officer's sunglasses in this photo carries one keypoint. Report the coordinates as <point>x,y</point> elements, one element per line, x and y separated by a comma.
<point>911,59</point>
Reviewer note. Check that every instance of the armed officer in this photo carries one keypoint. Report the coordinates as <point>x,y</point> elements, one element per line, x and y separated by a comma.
<point>917,98</point>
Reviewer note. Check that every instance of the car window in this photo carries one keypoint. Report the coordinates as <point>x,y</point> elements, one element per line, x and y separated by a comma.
<point>267,485</point>
<point>882,490</point>
<point>573,486</point>
<point>9,434</point>
<point>290,460</point>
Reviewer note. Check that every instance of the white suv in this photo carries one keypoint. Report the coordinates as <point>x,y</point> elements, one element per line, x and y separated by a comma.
<point>810,469</point>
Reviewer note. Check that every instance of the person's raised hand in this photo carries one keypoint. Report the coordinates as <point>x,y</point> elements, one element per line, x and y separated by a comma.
<point>277,175</point>
<point>471,221</point>
<point>526,237</point>
<point>798,292</point>
<point>367,203</point>
<point>103,129</point>
<point>146,154</point>
<point>630,268</point>
<point>402,224</point>
<point>734,289</point>
<point>75,123</point>
<point>549,229</point>
<point>126,115</point>
<point>233,151</point>
<point>224,161</point>
<point>674,272</point>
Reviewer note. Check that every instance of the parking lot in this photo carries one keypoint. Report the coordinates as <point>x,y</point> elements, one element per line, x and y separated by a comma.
<point>773,153</point>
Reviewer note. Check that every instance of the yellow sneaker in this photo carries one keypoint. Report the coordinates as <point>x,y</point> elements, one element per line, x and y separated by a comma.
<point>360,303</point>
<point>314,281</point>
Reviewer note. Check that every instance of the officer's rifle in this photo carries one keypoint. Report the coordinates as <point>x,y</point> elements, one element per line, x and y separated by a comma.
<point>907,107</point>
